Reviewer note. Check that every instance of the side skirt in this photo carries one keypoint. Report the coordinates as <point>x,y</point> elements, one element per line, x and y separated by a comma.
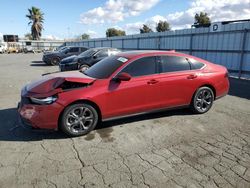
<point>146,112</point>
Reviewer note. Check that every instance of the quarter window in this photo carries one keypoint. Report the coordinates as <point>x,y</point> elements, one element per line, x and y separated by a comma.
<point>83,49</point>
<point>174,63</point>
<point>141,67</point>
<point>196,64</point>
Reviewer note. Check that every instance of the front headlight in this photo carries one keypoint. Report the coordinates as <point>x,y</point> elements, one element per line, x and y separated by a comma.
<point>47,100</point>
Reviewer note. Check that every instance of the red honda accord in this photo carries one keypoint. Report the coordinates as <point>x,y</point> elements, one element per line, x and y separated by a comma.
<point>126,84</point>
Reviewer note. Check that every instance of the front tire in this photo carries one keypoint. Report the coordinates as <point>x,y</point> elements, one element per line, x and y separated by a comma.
<point>79,119</point>
<point>202,100</point>
<point>84,67</point>
<point>55,61</point>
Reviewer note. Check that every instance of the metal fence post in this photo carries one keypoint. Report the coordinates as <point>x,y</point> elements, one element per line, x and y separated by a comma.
<point>138,43</point>
<point>242,51</point>
<point>122,43</point>
<point>159,42</point>
<point>191,45</point>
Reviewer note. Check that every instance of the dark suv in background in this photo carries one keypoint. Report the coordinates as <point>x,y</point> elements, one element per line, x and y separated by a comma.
<point>53,58</point>
<point>86,59</point>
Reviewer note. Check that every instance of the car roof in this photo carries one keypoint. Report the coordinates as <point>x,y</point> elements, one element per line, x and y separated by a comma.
<point>142,53</point>
<point>102,48</point>
<point>136,53</point>
<point>76,47</point>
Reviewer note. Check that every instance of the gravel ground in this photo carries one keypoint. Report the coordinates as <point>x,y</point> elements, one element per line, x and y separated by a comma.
<point>169,149</point>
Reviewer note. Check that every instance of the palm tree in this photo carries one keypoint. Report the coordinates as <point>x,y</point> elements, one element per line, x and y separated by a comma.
<point>36,19</point>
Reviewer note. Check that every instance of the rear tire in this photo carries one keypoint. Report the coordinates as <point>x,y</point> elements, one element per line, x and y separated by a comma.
<point>202,100</point>
<point>78,119</point>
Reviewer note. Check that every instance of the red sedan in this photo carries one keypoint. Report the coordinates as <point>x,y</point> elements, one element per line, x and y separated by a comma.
<point>126,84</point>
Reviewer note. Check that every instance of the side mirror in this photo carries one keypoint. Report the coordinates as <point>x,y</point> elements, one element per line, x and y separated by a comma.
<point>123,76</point>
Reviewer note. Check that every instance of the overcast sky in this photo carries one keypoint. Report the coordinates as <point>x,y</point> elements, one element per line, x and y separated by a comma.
<point>64,18</point>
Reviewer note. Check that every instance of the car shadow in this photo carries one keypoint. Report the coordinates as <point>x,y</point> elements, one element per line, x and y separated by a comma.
<point>38,64</point>
<point>239,88</point>
<point>11,130</point>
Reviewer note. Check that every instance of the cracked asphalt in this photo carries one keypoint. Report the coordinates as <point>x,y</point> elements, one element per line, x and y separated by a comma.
<point>168,149</point>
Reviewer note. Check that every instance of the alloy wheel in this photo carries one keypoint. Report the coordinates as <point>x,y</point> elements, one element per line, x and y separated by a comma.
<point>79,119</point>
<point>84,68</point>
<point>204,100</point>
<point>55,61</point>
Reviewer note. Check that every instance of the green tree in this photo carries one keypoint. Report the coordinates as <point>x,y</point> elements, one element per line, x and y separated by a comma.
<point>145,29</point>
<point>36,21</point>
<point>85,36</point>
<point>162,26</point>
<point>111,32</point>
<point>201,20</point>
<point>28,36</point>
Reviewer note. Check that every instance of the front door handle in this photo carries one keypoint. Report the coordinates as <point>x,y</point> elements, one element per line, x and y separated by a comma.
<point>153,81</point>
<point>191,76</point>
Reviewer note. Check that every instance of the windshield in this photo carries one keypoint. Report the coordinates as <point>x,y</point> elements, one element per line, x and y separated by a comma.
<point>88,53</point>
<point>61,48</point>
<point>106,67</point>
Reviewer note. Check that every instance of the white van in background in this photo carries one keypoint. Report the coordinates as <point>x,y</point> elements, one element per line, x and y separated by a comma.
<point>3,47</point>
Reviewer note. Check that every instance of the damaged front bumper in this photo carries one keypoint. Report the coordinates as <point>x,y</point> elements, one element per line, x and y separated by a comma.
<point>32,116</point>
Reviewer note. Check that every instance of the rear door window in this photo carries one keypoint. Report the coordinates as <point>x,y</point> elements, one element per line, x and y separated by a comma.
<point>174,64</point>
<point>73,50</point>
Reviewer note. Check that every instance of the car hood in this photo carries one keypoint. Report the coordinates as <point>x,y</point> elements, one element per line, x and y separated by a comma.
<point>69,59</point>
<point>50,84</point>
<point>51,53</point>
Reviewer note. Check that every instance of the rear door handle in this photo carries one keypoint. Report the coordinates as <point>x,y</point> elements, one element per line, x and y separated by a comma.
<point>191,76</point>
<point>153,81</point>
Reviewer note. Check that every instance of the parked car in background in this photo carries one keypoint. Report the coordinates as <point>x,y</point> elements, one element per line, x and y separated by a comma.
<point>28,48</point>
<point>122,85</point>
<point>86,59</point>
<point>53,58</point>
<point>3,47</point>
